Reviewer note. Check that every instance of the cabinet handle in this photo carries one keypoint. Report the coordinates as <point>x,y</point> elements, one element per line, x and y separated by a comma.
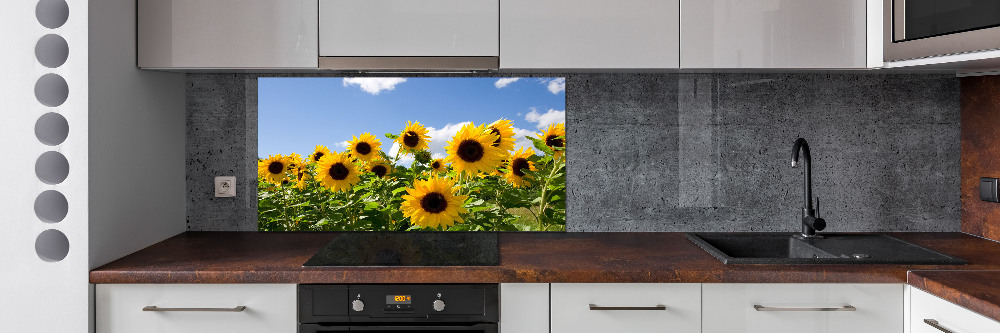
<point>629,308</point>
<point>759,307</point>
<point>233,309</point>
<point>935,324</point>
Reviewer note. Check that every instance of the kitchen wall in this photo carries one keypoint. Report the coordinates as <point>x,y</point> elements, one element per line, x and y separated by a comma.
<point>980,153</point>
<point>683,152</point>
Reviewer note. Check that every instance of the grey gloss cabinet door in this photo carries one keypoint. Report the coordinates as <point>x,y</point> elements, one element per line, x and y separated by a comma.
<point>775,34</point>
<point>569,34</point>
<point>221,34</point>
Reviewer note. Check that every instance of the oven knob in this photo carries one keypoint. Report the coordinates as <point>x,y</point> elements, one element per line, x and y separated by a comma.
<point>358,305</point>
<point>438,305</point>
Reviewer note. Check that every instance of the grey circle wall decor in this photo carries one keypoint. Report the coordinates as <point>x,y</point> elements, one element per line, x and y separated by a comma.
<point>52,13</point>
<point>52,168</point>
<point>51,206</point>
<point>52,245</point>
<point>51,51</point>
<point>51,90</point>
<point>51,129</point>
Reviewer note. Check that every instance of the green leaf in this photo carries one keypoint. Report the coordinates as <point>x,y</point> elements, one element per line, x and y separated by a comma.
<point>540,145</point>
<point>391,136</point>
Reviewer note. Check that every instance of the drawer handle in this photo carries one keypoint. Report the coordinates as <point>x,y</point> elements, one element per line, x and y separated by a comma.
<point>234,309</point>
<point>628,308</point>
<point>759,307</point>
<point>935,324</point>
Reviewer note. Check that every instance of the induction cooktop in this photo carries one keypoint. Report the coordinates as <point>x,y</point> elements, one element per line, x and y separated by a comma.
<point>409,248</point>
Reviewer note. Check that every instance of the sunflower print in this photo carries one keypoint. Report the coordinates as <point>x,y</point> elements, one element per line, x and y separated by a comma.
<point>552,139</point>
<point>505,135</point>
<point>272,169</point>
<point>318,154</point>
<point>413,138</point>
<point>439,165</point>
<point>471,150</point>
<point>337,172</point>
<point>302,176</point>
<point>294,161</point>
<point>518,163</point>
<point>432,203</point>
<point>365,147</point>
<point>379,167</point>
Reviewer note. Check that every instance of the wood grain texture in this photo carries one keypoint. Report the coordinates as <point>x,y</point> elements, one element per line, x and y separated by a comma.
<point>980,153</point>
<point>978,291</point>
<point>257,257</point>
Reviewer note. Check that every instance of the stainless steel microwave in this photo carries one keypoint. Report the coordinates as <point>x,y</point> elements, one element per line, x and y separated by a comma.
<point>927,28</point>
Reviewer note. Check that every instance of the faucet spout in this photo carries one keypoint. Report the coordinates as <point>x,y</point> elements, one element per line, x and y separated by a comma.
<point>810,222</point>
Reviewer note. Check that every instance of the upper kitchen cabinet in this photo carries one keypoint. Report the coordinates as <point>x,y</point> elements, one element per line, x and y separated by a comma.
<point>221,34</point>
<point>780,34</point>
<point>583,34</point>
<point>409,34</point>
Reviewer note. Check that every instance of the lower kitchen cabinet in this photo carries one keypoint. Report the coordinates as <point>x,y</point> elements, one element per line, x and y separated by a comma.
<point>930,314</point>
<point>196,308</point>
<point>802,308</point>
<point>626,307</point>
<point>524,308</point>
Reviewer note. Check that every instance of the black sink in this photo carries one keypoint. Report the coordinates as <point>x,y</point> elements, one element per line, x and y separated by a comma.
<point>787,248</point>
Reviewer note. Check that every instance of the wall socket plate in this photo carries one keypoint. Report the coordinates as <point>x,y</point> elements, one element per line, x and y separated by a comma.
<point>225,186</point>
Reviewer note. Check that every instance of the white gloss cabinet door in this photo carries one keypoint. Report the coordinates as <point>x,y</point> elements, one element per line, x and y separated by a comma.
<point>524,308</point>
<point>269,308</point>
<point>227,34</point>
<point>409,28</point>
<point>773,34</point>
<point>669,307</point>
<point>948,315</point>
<point>729,308</point>
<point>589,34</point>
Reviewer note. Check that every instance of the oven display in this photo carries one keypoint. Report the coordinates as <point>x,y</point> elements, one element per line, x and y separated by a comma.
<point>397,299</point>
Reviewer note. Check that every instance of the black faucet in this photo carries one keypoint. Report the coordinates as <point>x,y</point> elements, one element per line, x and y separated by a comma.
<point>810,222</point>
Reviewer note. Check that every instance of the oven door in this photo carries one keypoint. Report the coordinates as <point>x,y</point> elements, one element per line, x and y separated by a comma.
<point>472,328</point>
<point>927,28</point>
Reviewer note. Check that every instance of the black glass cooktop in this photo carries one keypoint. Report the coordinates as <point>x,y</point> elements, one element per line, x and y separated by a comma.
<point>412,248</point>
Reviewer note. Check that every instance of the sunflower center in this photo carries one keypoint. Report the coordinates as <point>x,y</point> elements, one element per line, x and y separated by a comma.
<point>339,171</point>
<point>496,143</point>
<point>380,170</point>
<point>363,148</point>
<point>318,156</point>
<point>434,203</point>
<point>553,141</point>
<point>275,167</point>
<point>518,165</point>
<point>411,139</point>
<point>470,151</point>
<point>436,165</point>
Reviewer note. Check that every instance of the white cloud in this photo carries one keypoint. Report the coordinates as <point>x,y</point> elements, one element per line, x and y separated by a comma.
<point>505,81</point>
<point>374,85</point>
<point>520,140</point>
<point>543,120</point>
<point>345,144</point>
<point>555,85</point>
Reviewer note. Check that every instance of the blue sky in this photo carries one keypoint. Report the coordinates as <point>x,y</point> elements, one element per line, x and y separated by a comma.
<point>296,114</point>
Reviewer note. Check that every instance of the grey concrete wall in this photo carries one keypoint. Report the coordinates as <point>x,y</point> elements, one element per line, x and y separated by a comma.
<point>684,152</point>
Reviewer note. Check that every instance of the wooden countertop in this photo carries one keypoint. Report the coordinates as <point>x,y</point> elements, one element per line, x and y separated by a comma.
<point>257,257</point>
<point>978,291</point>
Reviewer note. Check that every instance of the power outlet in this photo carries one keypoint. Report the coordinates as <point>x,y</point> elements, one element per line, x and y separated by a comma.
<point>225,186</point>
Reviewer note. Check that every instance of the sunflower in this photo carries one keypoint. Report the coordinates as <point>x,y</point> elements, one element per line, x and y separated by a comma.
<point>379,167</point>
<point>366,147</point>
<point>438,165</point>
<point>302,176</point>
<point>318,154</point>
<point>294,161</point>
<point>471,150</point>
<point>552,138</point>
<point>272,169</point>
<point>505,135</point>
<point>432,203</point>
<point>337,173</point>
<point>413,138</point>
<point>518,163</point>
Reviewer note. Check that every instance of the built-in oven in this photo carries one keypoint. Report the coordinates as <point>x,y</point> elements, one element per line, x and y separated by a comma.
<point>927,28</point>
<point>388,308</point>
